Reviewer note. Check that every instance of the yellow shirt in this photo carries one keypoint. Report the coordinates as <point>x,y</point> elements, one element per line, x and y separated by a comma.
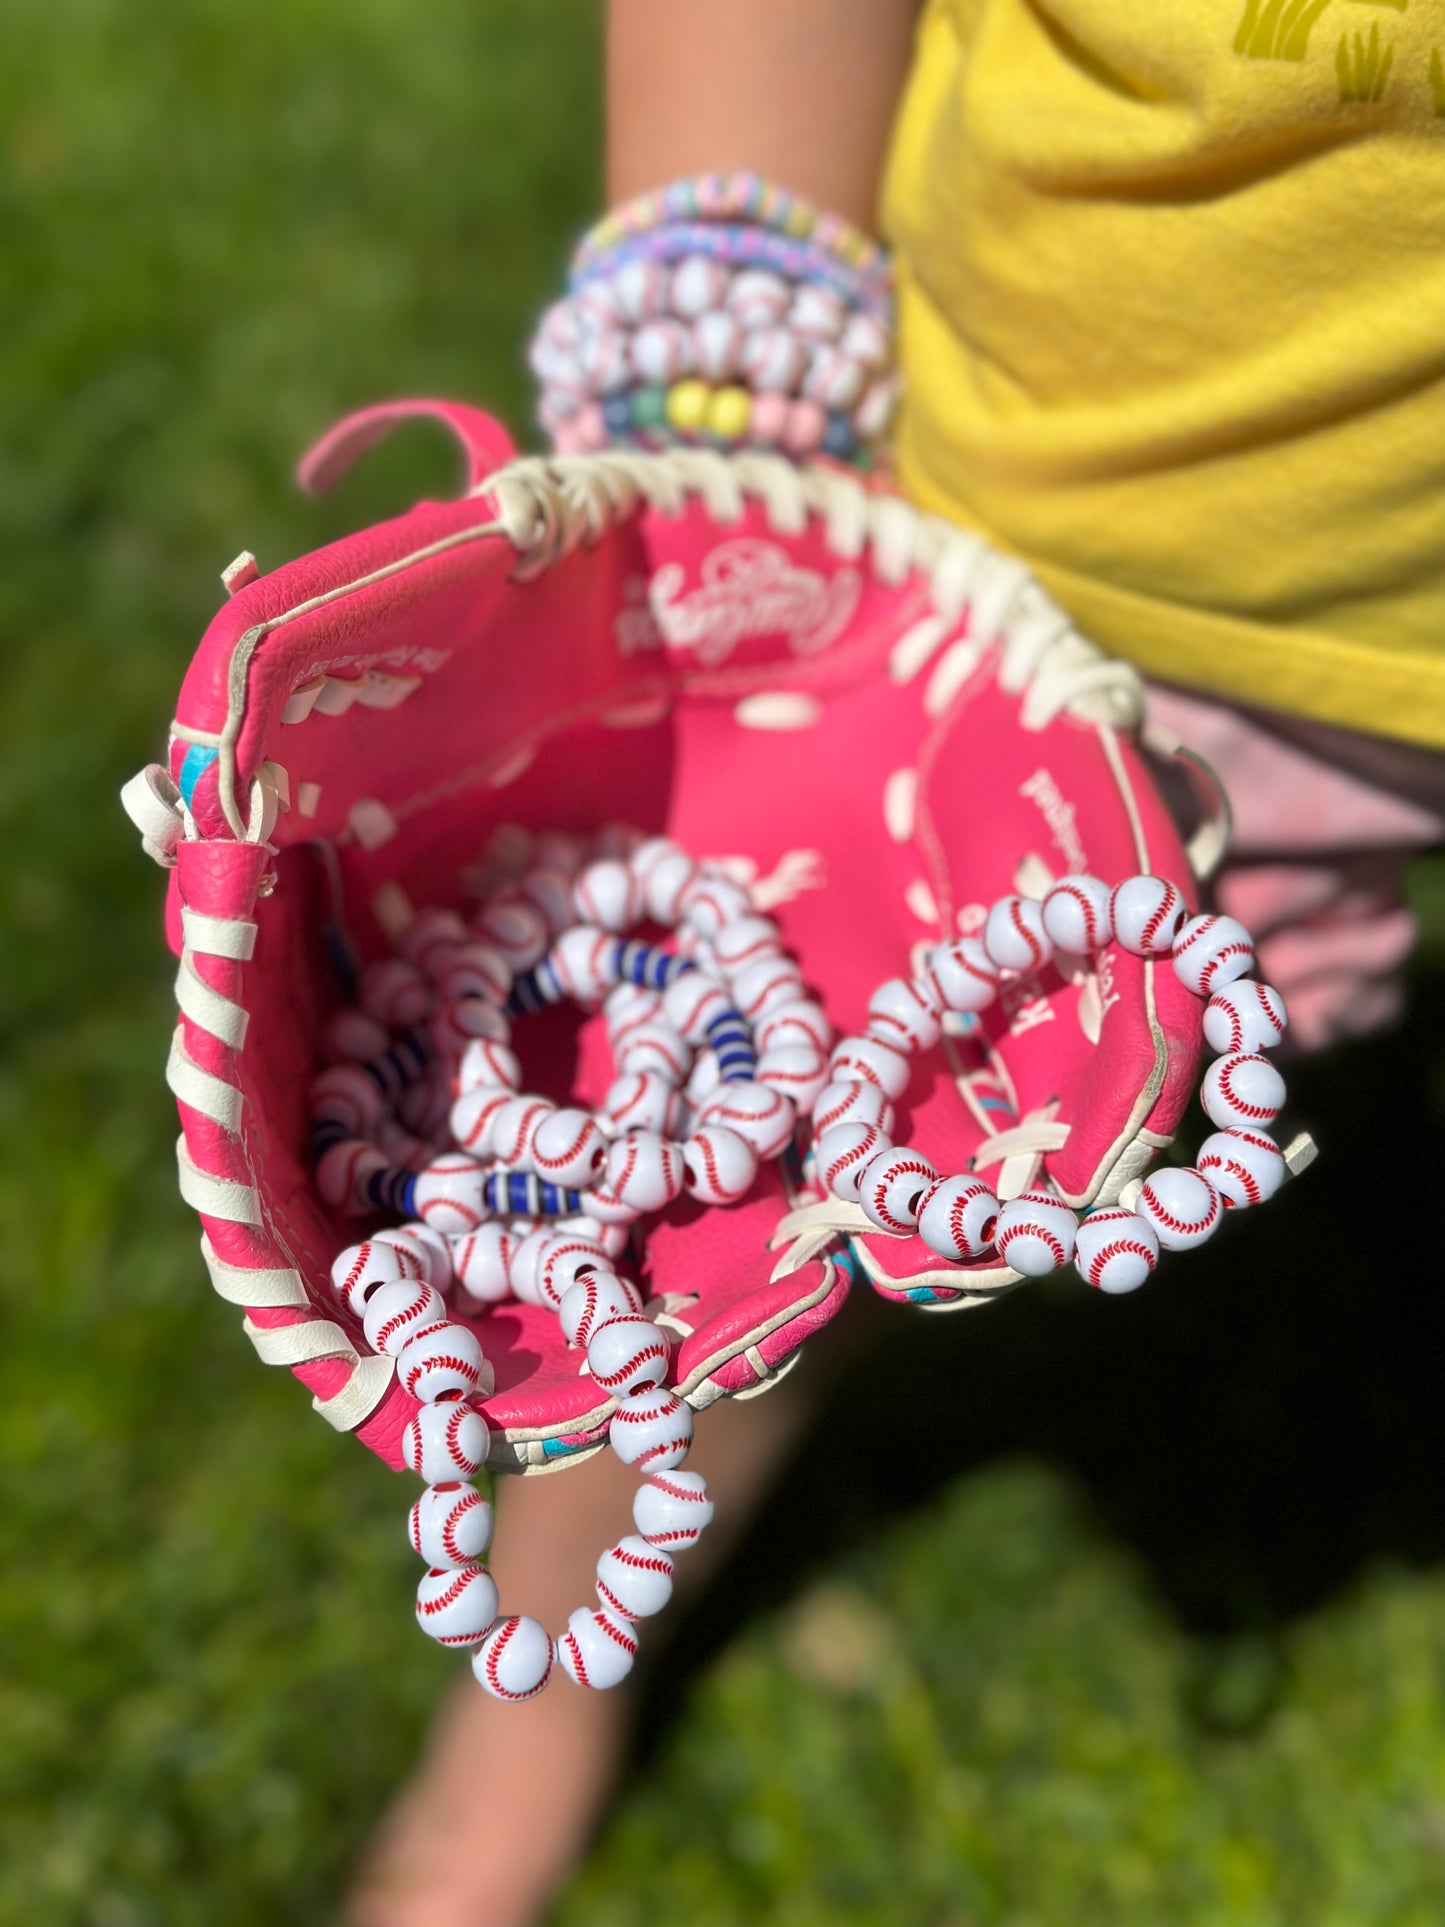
<point>1173,323</point>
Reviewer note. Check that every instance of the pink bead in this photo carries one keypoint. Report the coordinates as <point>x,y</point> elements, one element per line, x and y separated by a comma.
<point>769,419</point>
<point>807,425</point>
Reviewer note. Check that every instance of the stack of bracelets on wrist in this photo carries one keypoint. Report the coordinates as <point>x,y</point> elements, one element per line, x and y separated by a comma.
<point>723,312</point>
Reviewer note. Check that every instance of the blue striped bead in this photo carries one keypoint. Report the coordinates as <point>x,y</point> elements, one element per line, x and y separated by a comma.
<point>735,1065</point>
<point>392,1190</point>
<point>326,1132</point>
<point>534,988</point>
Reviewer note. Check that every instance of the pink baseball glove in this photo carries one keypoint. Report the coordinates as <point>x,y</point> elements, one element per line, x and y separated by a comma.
<point>868,717</point>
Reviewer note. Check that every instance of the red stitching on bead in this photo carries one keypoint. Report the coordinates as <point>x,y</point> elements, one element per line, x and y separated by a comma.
<point>1246,1178</point>
<point>678,1491</point>
<point>1106,1252</point>
<point>440,1360</point>
<point>1039,1231</point>
<point>1016,918</point>
<point>464,1505</point>
<point>1261,1113</point>
<point>1085,903</point>
<point>579,1665</point>
<point>451,1594</point>
<point>612,1379</point>
<point>1229,950</point>
<point>1169,905</point>
<point>637,1563</point>
<point>1167,1218</point>
<point>616,1634</point>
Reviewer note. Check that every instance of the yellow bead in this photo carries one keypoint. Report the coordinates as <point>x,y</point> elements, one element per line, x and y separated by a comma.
<point>728,414</point>
<point>687,406</point>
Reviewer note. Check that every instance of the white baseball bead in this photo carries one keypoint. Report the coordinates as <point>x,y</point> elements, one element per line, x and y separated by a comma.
<point>644,1170</point>
<point>580,960</point>
<point>847,1102</point>
<point>440,1365</point>
<point>833,378</point>
<point>634,1578</point>
<point>549,893</point>
<point>651,1430</point>
<point>1115,1250</point>
<point>872,1060</point>
<point>963,976</point>
<point>761,1116</point>
<point>514,929</point>
<point>692,1002</point>
<point>958,1218</point>
<point>476,969</point>
<point>639,290</point>
<point>603,359</point>
<point>800,1022</point>
<point>567,1148</point>
<point>561,1261</point>
<point>1182,1207</point>
<point>482,1261</point>
<point>592,1300</point>
<point>907,1013</point>
<point>1241,1089</point>
<point>362,1269</point>
<point>717,342</point>
<point>345,1094</point>
<point>468,1020</point>
<point>698,285</point>
<point>608,894</point>
<point>718,1165</point>
<point>527,1258</point>
<point>1076,915</point>
<point>423,1106</point>
<point>1014,935</point>
<point>868,341</point>
<point>449,1441</point>
<point>1244,1166</point>
<point>892,1187</point>
<point>597,1649</point>
<point>661,351</point>
<point>1147,912</point>
<point>449,1193</point>
<point>514,1660</point>
<point>874,414</point>
<point>455,1605</point>
<point>1210,952</point>
<point>841,1154</point>
<point>487,1062</point>
<point>513,1126</point>
<point>349,1036</point>
<point>1035,1233</point>
<point>628,1006</point>
<point>627,1352</point>
<point>395,992</point>
<point>817,313</point>
<point>656,1048</point>
<point>643,1101</point>
<point>342,1173</point>
<point>399,1312</point>
<point>1244,1016</point>
<point>450,1524</point>
<point>665,884</point>
<point>766,986</point>
<point>772,361</point>
<point>712,900</point>
<point>797,1070</point>
<point>401,1147</point>
<point>470,1119</point>
<point>704,1079</point>
<point>758,297</point>
<point>750,940</point>
<point>430,938</point>
<point>427,1246</point>
<point>672,1508</point>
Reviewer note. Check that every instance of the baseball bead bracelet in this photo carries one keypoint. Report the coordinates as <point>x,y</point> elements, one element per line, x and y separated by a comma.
<point>960,1219</point>
<point>452,995</point>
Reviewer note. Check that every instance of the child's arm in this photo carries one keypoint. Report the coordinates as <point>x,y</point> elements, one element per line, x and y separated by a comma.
<point>802,91</point>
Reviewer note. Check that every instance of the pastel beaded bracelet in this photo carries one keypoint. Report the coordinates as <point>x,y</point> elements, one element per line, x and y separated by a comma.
<point>894,1189</point>
<point>722,311</point>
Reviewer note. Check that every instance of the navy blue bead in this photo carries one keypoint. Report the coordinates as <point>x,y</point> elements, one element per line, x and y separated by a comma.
<point>327,1132</point>
<point>617,414</point>
<point>676,967</point>
<point>839,438</point>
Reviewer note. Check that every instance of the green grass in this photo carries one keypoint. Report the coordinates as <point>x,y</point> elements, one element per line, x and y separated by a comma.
<point>1125,1613</point>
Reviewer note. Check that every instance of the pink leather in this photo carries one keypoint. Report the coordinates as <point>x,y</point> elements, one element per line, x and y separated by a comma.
<point>607,688</point>
<point>485,443</point>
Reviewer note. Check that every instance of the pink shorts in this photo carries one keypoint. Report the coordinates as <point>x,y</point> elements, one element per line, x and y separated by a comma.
<point>1325,822</point>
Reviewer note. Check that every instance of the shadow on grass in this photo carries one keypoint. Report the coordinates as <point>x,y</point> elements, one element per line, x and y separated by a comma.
<point>1258,1425</point>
